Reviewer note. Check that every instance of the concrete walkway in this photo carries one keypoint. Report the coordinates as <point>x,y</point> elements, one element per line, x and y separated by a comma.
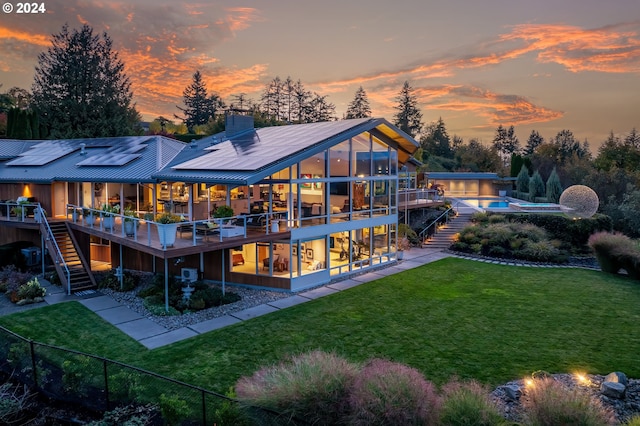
<point>153,335</point>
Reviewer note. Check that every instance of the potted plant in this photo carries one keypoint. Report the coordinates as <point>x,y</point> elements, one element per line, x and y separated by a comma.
<point>109,212</point>
<point>167,224</point>
<point>130,222</point>
<point>89,216</point>
<point>222,212</point>
<point>19,209</point>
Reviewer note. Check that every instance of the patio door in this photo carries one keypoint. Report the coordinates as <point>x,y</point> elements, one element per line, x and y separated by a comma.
<point>60,199</point>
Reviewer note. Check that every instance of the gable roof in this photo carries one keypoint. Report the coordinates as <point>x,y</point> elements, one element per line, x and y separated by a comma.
<point>250,156</point>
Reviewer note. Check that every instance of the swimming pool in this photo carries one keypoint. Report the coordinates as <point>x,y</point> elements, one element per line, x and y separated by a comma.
<point>486,203</point>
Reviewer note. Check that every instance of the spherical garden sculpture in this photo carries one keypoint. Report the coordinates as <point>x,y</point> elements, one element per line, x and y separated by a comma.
<point>579,201</point>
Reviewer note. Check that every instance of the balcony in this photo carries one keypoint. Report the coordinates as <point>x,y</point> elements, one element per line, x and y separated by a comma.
<point>182,238</point>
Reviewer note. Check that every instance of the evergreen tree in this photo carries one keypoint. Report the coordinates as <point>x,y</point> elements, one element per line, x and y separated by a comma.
<point>633,139</point>
<point>536,186</point>
<point>534,141</point>
<point>506,143</point>
<point>199,106</point>
<point>522,181</point>
<point>359,107</point>
<point>408,118</point>
<point>80,88</point>
<point>319,109</point>
<point>554,187</point>
<point>567,146</point>
<point>516,164</point>
<point>436,140</point>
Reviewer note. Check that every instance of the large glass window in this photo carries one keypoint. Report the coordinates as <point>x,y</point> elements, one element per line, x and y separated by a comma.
<point>361,150</point>
<point>339,160</point>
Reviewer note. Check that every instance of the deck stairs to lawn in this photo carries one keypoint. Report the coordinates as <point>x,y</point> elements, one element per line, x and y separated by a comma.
<point>444,236</point>
<point>72,268</point>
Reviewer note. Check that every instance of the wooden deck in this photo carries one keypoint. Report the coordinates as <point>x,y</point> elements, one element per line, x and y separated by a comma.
<point>146,239</point>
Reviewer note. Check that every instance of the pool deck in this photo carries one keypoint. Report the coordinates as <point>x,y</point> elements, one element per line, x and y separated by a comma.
<point>514,205</point>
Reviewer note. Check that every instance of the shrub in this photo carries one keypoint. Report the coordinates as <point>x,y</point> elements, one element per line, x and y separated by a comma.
<point>549,403</point>
<point>311,386</point>
<point>174,410</point>
<point>468,404</point>
<point>111,281</point>
<point>540,251</point>
<point>615,251</point>
<point>497,218</point>
<point>529,232</point>
<point>13,278</point>
<point>480,217</point>
<point>633,421</point>
<point>497,234</point>
<point>31,290</point>
<point>388,393</point>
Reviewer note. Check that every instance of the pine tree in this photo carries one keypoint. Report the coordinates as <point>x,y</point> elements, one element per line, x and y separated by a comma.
<point>359,107</point>
<point>436,140</point>
<point>199,106</point>
<point>80,88</point>
<point>408,118</point>
<point>534,141</point>
<point>554,187</point>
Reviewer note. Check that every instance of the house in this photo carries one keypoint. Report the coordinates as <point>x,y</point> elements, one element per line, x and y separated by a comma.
<point>311,202</point>
<point>459,184</point>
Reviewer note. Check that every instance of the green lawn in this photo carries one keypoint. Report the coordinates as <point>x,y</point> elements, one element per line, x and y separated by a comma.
<point>453,317</point>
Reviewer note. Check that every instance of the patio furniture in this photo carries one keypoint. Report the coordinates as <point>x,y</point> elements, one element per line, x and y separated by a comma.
<point>237,259</point>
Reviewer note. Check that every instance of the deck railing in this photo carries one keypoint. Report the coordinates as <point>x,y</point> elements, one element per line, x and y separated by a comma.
<point>142,230</point>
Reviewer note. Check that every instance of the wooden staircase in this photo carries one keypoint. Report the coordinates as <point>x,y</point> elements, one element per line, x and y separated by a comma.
<point>68,258</point>
<point>444,237</point>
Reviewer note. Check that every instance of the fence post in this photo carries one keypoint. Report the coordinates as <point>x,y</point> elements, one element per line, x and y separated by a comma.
<point>33,363</point>
<point>204,408</point>
<point>106,382</point>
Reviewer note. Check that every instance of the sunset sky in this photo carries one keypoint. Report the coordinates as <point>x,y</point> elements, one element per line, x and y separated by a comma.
<point>546,65</point>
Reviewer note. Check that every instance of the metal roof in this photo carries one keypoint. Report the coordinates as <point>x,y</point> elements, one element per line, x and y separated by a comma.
<point>244,158</point>
<point>11,148</point>
<point>251,156</point>
<point>156,153</point>
<point>462,175</point>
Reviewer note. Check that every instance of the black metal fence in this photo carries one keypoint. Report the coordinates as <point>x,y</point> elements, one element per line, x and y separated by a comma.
<point>100,384</point>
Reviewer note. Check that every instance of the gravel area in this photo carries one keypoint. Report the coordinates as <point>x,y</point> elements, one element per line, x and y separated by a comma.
<point>249,299</point>
<point>622,409</point>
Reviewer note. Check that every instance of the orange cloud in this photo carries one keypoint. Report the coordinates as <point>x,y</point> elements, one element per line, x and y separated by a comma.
<point>240,18</point>
<point>602,49</point>
<point>24,36</point>
<point>613,49</point>
<point>497,108</point>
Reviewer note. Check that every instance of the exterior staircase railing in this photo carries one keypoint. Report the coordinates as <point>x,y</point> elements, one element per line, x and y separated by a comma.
<point>434,223</point>
<point>49,237</point>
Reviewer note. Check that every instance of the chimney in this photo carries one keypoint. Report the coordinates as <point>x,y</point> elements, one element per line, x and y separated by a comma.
<point>237,123</point>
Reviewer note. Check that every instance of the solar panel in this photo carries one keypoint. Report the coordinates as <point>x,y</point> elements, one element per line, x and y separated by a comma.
<point>43,153</point>
<point>112,159</point>
<point>264,146</point>
<point>117,155</point>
